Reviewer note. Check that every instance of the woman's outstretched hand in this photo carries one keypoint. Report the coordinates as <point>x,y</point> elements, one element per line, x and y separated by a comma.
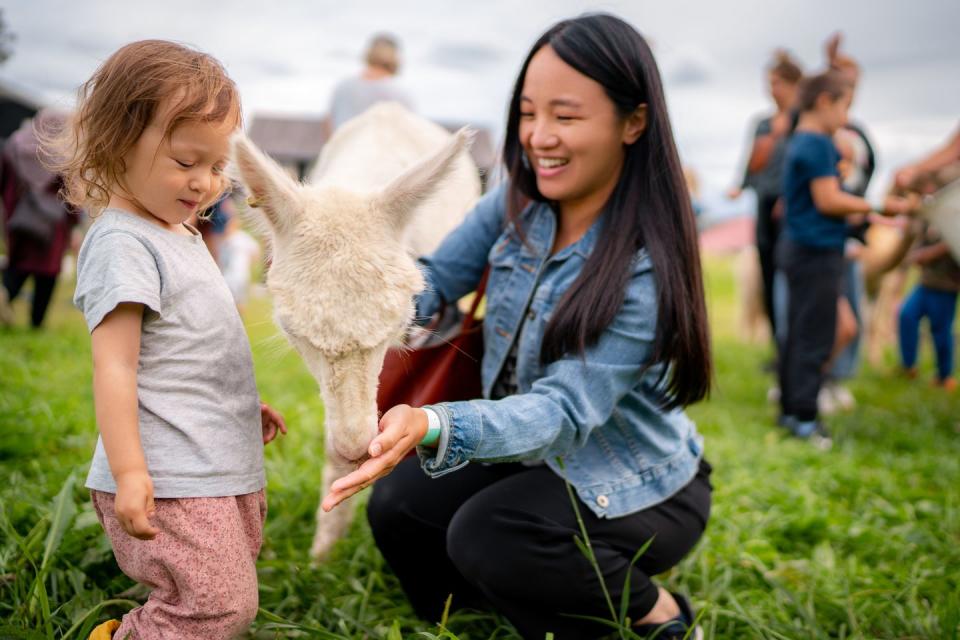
<point>401,429</point>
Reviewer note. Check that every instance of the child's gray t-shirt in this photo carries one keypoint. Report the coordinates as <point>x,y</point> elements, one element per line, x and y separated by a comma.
<point>199,411</point>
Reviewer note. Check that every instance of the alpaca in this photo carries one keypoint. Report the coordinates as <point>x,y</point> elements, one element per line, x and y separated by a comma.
<point>387,187</point>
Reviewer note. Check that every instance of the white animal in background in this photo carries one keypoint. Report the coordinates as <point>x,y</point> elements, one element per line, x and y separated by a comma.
<point>387,187</point>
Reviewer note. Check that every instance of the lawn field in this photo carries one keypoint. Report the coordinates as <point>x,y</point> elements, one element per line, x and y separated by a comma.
<point>862,541</point>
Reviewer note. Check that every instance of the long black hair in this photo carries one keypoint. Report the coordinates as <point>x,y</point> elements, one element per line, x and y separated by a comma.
<point>649,208</point>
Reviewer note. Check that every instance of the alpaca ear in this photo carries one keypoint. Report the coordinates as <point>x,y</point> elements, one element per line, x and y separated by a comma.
<point>400,198</point>
<point>270,189</point>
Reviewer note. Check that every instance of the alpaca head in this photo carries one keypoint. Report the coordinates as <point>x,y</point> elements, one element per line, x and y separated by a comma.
<point>341,281</point>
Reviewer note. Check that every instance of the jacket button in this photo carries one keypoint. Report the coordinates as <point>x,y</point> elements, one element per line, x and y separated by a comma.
<point>603,501</point>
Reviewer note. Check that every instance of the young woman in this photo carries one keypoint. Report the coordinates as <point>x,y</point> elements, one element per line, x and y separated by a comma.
<point>595,338</point>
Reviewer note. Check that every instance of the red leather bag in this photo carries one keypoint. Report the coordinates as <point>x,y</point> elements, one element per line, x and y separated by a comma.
<point>444,371</point>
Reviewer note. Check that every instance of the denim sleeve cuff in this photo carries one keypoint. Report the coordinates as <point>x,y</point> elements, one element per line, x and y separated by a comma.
<point>443,459</point>
<point>428,301</point>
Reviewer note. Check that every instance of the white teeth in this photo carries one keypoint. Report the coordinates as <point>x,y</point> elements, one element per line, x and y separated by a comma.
<point>550,163</point>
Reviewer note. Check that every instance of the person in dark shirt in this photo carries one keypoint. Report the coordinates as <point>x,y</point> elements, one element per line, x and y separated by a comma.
<point>859,158</point>
<point>764,167</point>
<point>811,251</point>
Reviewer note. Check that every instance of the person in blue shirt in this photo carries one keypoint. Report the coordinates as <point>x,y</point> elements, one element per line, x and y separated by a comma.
<point>595,336</point>
<point>811,251</point>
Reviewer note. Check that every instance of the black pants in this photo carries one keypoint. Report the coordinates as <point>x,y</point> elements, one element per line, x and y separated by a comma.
<point>14,280</point>
<point>814,279</point>
<point>767,235</point>
<point>502,536</point>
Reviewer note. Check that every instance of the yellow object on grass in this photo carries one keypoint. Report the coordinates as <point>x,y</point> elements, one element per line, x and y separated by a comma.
<point>104,631</point>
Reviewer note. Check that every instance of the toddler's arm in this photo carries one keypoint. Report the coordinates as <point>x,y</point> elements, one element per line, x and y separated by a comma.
<point>831,200</point>
<point>116,353</point>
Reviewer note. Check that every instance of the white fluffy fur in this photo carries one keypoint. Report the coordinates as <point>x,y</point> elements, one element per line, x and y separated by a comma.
<point>389,185</point>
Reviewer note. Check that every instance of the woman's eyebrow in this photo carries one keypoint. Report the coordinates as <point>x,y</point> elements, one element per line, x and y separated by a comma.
<point>558,102</point>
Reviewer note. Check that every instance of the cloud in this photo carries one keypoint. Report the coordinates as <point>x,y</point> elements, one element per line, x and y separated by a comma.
<point>688,64</point>
<point>463,56</point>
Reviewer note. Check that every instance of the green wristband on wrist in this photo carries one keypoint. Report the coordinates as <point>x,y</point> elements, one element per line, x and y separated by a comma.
<point>432,436</point>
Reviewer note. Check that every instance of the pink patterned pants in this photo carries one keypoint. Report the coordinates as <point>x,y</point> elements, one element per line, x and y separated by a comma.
<point>201,566</point>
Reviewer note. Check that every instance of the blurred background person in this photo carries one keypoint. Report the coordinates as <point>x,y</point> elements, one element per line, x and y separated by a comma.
<point>857,164</point>
<point>376,83</point>
<point>934,298</point>
<point>935,295</point>
<point>764,167</point>
<point>239,251</point>
<point>38,223</point>
<point>213,225</point>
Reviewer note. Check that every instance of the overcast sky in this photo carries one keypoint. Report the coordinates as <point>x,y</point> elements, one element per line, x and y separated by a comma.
<point>461,58</point>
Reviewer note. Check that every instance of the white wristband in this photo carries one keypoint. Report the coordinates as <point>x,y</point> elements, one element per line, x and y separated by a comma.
<point>432,435</point>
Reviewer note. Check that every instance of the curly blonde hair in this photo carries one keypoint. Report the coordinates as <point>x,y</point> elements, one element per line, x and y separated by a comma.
<point>120,100</point>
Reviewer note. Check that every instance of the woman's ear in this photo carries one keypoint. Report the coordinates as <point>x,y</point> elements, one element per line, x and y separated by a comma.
<point>636,124</point>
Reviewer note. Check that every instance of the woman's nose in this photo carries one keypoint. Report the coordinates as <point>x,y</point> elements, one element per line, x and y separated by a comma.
<point>543,137</point>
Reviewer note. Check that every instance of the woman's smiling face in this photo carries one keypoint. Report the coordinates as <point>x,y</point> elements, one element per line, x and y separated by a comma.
<point>570,130</point>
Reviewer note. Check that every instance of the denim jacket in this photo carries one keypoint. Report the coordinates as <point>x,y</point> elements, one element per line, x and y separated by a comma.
<point>598,412</point>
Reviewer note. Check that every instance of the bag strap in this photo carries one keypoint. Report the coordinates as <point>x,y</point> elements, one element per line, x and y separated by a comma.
<point>470,319</point>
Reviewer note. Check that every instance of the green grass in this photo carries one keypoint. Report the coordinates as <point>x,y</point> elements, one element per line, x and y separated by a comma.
<point>860,542</point>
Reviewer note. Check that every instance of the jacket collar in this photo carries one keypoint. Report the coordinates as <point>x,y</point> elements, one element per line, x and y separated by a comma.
<point>541,229</point>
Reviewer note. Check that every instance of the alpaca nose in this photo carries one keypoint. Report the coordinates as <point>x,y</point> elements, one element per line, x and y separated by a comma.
<point>353,441</point>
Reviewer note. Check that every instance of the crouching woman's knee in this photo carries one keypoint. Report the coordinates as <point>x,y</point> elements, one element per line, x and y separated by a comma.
<point>470,538</point>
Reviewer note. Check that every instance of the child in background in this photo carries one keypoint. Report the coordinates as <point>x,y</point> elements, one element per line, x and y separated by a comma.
<point>177,478</point>
<point>934,298</point>
<point>811,251</point>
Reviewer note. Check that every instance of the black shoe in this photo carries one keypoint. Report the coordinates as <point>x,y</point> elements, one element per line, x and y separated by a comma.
<point>679,628</point>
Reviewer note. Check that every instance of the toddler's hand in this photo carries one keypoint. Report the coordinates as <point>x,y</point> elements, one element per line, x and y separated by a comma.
<point>272,422</point>
<point>134,504</point>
